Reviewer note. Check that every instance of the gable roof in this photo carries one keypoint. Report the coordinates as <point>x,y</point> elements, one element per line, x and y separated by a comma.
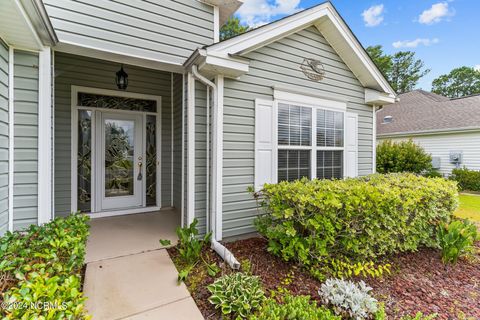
<point>425,112</point>
<point>228,54</point>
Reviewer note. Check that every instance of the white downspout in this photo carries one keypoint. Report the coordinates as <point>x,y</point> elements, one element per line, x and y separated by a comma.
<point>226,255</point>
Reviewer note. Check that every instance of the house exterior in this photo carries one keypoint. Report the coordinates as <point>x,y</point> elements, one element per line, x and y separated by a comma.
<point>199,121</point>
<point>448,129</point>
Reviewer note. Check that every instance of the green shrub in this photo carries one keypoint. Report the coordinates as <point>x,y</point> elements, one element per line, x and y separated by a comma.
<point>44,267</point>
<point>293,308</point>
<point>402,156</point>
<point>237,294</point>
<point>467,179</point>
<point>354,220</point>
<point>457,239</point>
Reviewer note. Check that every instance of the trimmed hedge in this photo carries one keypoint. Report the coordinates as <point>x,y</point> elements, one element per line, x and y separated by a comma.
<point>467,179</point>
<point>41,270</point>
<point>354,219</point>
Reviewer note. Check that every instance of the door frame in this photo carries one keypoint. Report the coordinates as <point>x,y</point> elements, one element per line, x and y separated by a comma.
<point>74,147</point>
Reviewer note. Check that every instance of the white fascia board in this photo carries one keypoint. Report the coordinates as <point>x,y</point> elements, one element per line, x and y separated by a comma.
<point>269,33</point>
<point>374,97</point>
<point>226,8</point>
<point>427,132</point>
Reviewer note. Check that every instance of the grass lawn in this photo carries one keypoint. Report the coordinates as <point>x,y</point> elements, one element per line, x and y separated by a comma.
<point>469,207</point>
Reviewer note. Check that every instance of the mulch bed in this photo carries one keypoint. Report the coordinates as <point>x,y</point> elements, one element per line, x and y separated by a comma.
<point>419,281</point>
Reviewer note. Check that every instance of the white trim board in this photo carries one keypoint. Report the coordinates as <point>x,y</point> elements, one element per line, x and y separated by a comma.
<point>74,140</point>
<point>45,136</point>
<point>11,135</point>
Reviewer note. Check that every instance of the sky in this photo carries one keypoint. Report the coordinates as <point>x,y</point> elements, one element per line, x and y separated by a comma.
<point>444,34</point>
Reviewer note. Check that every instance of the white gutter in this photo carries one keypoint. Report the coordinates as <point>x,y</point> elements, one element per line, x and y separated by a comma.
<point>226,255</point>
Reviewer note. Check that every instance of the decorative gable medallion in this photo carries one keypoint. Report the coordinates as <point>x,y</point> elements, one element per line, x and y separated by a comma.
<point>312,69</point>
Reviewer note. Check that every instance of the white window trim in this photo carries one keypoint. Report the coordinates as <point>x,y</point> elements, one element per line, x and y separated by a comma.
<point>314,103</point>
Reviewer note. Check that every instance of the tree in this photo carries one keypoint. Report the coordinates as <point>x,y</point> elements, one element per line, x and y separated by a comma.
<point>406,71</point>
<point>232,28</point>
<point>401,69</point>
<point>459,82</point>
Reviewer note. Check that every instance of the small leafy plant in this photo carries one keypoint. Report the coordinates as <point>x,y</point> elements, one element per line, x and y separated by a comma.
<point>348,299</point>
<point>457,239</point>
<point>237,294</point>
<point>345,269</point>
<point>190,250</point>
<point>293,308</point>
<point>420,316</point>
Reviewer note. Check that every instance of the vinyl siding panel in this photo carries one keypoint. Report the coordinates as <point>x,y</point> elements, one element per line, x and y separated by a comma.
<point>4,137</point>
<point>201,154</point>
<point>167,30</point>
<point>440,145</point>
<point>177,140</point>
<point>25,189</point>
<point>81,71</point>
<point>277,64</point>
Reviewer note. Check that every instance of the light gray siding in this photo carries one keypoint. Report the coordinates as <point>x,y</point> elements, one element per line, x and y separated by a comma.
<point>81,71</point>
<point>177,140</point>
<point>4,137</point>
<point>440,145</point>
<point>277,64</point>
<point>25,194</point>
<point>200,154</point>
<point>167,30</point>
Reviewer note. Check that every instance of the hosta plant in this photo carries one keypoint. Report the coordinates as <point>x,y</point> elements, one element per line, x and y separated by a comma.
<point>293,308</point>
<point>348,299</point>
<point>237,294</point>
<point>457,239</point>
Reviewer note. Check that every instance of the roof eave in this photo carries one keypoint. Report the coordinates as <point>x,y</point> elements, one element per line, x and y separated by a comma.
<point>226,8</point>
<point>334,29</point>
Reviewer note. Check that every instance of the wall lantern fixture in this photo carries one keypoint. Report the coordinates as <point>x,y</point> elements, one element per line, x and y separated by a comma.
<point>121,79</point>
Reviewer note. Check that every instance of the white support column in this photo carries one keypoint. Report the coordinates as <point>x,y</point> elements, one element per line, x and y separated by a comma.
<point>190,148</point>
<point>11,136</point>
<point>45,137</point>
<point>217,156</point>
<point>374,139</point>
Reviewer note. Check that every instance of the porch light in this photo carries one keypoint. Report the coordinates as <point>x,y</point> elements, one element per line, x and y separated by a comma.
<point>121,79</point>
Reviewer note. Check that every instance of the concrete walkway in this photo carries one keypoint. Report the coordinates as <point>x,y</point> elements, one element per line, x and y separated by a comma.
<point>140,282</point>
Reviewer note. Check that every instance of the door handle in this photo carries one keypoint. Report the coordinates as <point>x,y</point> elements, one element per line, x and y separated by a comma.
<point>139,176</point>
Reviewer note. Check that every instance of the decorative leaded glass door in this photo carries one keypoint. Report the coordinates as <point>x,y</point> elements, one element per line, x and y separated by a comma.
<point>120,153</point>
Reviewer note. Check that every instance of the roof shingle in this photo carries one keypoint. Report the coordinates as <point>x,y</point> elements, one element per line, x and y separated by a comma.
<point>419,111</point>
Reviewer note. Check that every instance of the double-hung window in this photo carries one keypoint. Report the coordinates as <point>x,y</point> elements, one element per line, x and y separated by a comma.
<point>310,142</point>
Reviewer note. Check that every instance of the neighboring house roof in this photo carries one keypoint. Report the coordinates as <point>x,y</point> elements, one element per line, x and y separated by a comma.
<point>227,56</point>
<point>425,112</point>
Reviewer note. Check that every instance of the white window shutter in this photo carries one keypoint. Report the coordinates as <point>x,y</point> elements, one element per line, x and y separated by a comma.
<point>265,138</point>
<point>351,145</point>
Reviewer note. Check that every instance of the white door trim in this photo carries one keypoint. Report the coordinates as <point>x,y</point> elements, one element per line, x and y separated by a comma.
<point>74,143</point>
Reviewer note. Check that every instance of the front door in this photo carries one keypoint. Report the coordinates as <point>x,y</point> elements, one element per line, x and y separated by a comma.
<point>120,161</point>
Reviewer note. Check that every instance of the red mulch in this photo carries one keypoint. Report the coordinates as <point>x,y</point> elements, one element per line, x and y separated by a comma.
<point>419,281</point>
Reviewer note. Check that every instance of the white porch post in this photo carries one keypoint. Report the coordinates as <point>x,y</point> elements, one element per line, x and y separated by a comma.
<point>190,148</point>
<point>217,156</point>
<point>45,137</point>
